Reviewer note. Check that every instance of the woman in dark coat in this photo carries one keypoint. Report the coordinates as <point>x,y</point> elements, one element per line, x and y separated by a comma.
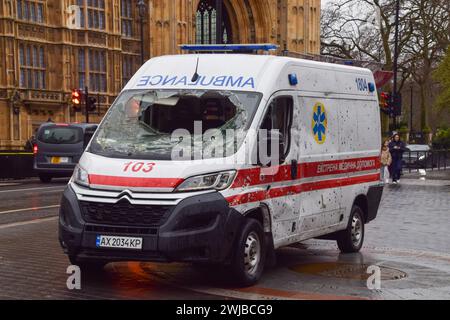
<point>397,148</point>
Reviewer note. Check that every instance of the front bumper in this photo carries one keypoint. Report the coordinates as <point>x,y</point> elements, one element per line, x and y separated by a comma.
<point>198,229</point>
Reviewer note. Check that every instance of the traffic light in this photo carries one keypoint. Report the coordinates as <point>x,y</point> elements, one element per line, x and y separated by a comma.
<point>385,102</point>
<point>92,104</point>
<point>77,98</point>
<point>396,106</point>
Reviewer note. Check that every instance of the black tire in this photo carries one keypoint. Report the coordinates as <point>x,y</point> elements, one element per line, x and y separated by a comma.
<point>249,258</point>
<point>87,265</point>
<point>351,239</point>
<point>45,178</point>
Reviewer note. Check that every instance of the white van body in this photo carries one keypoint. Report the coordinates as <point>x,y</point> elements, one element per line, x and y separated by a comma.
<point>331,165</point>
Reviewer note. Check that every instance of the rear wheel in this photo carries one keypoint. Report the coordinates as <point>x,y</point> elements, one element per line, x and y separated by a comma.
<point>45,178</point>
<point>250,254</point>
<point>351,239</point>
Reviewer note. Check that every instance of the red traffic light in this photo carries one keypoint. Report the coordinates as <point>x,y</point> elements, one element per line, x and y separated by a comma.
<point>385,98</point>
<point>76,97</point>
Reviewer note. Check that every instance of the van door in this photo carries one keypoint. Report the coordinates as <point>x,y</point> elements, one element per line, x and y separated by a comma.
<point>280,198</point>
<point>320,197</point>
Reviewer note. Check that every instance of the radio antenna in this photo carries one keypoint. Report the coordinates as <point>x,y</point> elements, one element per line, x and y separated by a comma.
<point>196,75</point>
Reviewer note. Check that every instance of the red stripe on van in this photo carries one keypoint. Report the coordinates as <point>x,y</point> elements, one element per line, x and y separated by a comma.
<point>296,189</point>
<point>252,177</point>
<point>134,182</point>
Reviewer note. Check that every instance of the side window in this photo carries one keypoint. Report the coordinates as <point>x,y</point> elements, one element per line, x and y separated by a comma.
<point>279,117</point>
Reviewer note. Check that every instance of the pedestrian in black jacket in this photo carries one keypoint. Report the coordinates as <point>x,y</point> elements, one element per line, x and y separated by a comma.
<point>397,148</point>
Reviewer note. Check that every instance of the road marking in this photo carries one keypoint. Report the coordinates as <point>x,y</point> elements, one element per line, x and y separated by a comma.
<point>31,189</point>
<point>30,209</point>
<point>18,224</point>
<point>9,184</point>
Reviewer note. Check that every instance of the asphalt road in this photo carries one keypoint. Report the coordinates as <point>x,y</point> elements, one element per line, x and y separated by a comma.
<point>29,200</point>
<point>413,223</point>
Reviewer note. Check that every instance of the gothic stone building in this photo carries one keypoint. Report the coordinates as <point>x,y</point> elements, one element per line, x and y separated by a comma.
<point>44,57</point>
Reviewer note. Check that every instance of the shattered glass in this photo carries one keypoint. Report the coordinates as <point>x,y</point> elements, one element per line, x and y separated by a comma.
<point>149,124</point>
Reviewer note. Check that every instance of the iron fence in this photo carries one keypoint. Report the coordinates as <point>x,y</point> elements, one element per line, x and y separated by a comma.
<point>426,160</point>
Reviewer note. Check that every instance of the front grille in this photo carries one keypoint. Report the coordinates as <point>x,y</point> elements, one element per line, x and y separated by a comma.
<point>124,213</point>
<point>121,230</point>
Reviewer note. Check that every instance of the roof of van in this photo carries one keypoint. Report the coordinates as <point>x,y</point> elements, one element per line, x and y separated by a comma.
<point>243,72</point>
<point>254,59</point>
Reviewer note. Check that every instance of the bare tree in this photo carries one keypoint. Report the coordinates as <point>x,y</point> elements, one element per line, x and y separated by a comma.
<point>364,29</point>
<point>426,48</point>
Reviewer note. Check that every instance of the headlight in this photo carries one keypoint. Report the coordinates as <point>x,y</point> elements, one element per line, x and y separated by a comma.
<point>80,176</point>
<point>217,181</point>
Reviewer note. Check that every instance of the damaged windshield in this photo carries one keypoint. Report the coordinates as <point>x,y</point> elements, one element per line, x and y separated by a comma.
<point>157,124</point>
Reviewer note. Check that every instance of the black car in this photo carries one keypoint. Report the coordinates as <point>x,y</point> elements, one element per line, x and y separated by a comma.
<point>418,156</point>
<point>58,148</point>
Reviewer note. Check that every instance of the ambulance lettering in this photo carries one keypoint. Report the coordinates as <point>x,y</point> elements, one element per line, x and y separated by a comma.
<point>202,81</point>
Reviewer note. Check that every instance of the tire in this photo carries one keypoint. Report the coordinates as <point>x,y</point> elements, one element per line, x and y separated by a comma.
<point>87,266</point>
<point>351,239</point>
<point>249,259</point>
<point>45,178</point>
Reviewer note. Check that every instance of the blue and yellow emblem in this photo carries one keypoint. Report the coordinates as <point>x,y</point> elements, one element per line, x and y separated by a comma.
<point>319,123</point>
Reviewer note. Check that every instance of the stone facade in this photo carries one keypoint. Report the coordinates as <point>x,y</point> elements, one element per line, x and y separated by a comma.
<point>43,58</point>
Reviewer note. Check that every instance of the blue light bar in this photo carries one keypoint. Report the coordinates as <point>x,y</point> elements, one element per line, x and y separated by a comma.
<point>229,47</point>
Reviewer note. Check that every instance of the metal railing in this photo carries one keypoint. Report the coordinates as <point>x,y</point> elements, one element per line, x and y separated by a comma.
<point>370,64</point>
<point>16,165</point>
<point>427,160</point>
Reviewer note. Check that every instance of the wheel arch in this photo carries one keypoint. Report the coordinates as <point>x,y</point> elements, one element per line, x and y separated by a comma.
<point>261,214</point>
<point>362,202</point>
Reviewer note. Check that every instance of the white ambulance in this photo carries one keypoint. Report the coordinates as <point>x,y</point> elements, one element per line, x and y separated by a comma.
<point>176,171</point>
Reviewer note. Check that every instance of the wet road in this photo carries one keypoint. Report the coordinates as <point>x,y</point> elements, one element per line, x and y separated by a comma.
<point>33,266</point>
<point>409,240</point>
<point>29,200</point>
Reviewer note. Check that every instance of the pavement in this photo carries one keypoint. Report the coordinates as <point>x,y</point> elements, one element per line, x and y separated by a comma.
<point>409,242</point>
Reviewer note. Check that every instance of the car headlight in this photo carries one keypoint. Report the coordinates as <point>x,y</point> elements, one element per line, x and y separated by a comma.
<point>80,176</point>
<point>216,181</point>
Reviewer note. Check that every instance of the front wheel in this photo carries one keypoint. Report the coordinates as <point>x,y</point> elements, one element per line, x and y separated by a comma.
<point>351,239</point>
<point>250,254</point>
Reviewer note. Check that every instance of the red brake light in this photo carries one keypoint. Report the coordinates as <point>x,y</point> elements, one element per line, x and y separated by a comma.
<point>35,149</point>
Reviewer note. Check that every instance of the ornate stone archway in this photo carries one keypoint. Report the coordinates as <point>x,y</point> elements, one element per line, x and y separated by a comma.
<point>250,20</point>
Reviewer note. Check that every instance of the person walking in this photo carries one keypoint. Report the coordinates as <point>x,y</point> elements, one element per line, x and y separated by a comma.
<point>386,161</point>
<point>396,148</point>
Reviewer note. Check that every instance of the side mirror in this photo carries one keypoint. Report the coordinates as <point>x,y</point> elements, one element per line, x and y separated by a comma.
<point>270,149</point>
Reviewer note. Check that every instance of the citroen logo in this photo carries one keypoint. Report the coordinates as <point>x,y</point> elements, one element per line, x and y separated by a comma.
<point>126,194</point>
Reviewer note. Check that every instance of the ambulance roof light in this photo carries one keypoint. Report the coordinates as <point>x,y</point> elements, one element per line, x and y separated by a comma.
<point>229,47</point>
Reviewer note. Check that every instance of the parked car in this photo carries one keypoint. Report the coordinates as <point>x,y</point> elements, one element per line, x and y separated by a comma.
<point>417,156</point>
<point>58,148</point>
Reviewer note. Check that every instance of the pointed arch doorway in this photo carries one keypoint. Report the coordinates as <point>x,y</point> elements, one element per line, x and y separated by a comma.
<point>212,23</point>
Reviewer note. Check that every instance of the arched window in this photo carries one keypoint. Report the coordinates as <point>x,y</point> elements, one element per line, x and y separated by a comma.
<point>211,17</point>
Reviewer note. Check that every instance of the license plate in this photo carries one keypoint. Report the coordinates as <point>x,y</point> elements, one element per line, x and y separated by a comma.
<point>58,160</point>
<point>119,242</point>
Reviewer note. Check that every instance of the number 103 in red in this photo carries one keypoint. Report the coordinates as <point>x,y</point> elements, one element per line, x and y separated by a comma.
<point>138,167</point>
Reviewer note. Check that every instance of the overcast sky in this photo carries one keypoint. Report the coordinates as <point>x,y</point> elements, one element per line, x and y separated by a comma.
<point>324,2</point>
